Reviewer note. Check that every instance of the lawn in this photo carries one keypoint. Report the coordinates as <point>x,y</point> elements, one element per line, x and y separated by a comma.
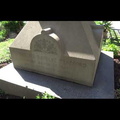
<point>4,50</point>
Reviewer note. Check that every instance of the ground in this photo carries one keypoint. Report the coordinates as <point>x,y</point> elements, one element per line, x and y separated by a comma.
<point>115,25</point>
<point>116,80</point>
<point>2,93</point>
<point>117,77</point>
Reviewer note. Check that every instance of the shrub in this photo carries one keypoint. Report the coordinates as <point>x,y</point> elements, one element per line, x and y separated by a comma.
<point>111,42</point>
<point>111,47</point>
<point>4,50</point>
<point>45,96</point>
<point>9,26</point>
<point>13,26</point>
<point>3,35</point>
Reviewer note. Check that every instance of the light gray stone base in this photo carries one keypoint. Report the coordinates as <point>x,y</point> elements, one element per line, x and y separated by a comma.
<point>23,83</point>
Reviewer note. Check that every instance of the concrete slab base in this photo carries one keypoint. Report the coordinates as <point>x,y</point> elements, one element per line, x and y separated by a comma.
<point>23,83</point>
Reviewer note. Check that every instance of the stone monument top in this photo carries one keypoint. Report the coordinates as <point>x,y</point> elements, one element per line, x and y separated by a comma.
<point>68,50</point>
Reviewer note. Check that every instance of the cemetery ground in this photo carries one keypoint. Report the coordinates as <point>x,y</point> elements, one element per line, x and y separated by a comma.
<point>5,59</point>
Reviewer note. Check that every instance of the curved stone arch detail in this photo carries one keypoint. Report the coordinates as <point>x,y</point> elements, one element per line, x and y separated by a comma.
<point>47,43</point>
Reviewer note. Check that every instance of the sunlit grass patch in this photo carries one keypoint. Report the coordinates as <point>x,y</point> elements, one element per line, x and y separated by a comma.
<point>4,50</point>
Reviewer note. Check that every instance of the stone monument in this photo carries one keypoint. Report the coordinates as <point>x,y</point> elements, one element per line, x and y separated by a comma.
<point>68,50</point>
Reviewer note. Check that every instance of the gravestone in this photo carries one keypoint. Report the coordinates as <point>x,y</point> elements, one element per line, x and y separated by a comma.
<point>68,50</point>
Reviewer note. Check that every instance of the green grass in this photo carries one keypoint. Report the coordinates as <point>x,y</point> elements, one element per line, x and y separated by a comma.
<point>4,50</point>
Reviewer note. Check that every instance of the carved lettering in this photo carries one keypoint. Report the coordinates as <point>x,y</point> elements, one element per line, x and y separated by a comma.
<point>48,57</point>
<point>52,64</point>
<point>45,46</point>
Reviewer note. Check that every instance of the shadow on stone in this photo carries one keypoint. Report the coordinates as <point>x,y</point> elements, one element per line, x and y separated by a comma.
<point>103,85</point>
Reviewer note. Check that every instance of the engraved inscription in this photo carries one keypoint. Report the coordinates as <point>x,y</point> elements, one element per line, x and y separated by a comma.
<point>45,62</point>
<point>57,66</point>
<point>70,62</point>
<point>45,46</point>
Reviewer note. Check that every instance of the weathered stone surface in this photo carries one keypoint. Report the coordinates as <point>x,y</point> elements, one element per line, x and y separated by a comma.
<point>23,83</point>
<point>68,50</point>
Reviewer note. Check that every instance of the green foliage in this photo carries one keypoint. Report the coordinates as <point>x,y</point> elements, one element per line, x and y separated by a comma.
<point>97,22</point>
<point>9,26</point>
<point>111,47</point>
<point>45,96</point>
<point>13,26</point>
<point>106,24</point>
<point>111,42</point>
<point>3,34</point>
<point>4,50</point>
<point>38,97</point>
